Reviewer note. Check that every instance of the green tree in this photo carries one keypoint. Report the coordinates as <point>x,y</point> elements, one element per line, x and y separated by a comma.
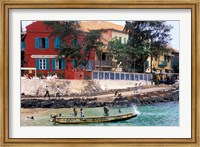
<point>119,51</point>
<point>125,53</point>
<point>91,41</point>
<point>149,37</point>
<point>64,29</point>
<point>70,30</point>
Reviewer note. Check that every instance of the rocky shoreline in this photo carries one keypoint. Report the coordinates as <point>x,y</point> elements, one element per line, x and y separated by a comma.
<point>137,99</point>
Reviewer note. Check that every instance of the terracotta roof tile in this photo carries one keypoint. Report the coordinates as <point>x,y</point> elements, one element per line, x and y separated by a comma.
<point>173,50</point>
<point>97,25</point>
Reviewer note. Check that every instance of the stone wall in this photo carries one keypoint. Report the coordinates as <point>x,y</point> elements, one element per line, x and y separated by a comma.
<point>139,99</point>
<point>68,87</point>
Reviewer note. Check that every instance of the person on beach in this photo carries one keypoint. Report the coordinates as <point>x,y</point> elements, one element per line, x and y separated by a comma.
<point>116,92</point>
<point>37,93</point>
<point>47,92</point>
<point>139,88</point>
<point>82,113</point>
<point>119,95</point>
<point>75,111</point>
<point>106,111</point>
<point>32,117</point>
<point>135,88</point>
<point>58,92</point>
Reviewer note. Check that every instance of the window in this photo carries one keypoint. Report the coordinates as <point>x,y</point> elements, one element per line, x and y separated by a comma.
<point>42,64</point>
<point>57,43</point>
<point>58,64</point>
<point>120,39</point>
<point>166,58</point>
<point>103,56</point>
<point>41,43</point>
<point>74,63</point>
<point>75,42</point>
<point>23,46</point>
<point>90,65</point>
<point>125,40</point>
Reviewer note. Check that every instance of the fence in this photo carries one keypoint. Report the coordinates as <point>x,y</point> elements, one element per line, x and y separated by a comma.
<point>107,75</point>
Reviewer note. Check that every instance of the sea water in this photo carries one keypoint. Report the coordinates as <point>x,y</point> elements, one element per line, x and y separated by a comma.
<point>160,114</point>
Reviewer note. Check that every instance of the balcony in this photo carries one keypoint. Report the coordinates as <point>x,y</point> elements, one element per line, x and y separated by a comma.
<point>162,63</point>
<point>104,63</point>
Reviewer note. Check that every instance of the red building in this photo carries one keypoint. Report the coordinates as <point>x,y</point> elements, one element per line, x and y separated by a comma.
<point>41,52</point>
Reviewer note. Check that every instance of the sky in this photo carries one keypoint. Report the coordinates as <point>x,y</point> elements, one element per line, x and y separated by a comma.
<point>175,33</point>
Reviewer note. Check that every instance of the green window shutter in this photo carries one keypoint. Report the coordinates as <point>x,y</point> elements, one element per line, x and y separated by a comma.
<point>75,42</point>
<point>23,45</point>
<point>63,64</point>
<point>46,43</point>
<point>37,41</point>
<point>54,64</point>
<point>83,66</point>
<point>120,39</point>
<point>73,63</point>
<point>125,40</point>
<point>47,64</point>
<point>90,64</point>
<point>57,43</point>
<point>37,63</point>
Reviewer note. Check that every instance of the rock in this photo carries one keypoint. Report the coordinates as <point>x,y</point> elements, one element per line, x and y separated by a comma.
<point>46,104</point>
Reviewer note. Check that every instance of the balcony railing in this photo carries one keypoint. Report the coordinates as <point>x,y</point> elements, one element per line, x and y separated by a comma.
<point>104,63</point>
<point>163,63</point>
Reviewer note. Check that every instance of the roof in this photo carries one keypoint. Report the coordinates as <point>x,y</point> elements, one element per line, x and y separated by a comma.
<point>173,50</point>
<point>97,25</point>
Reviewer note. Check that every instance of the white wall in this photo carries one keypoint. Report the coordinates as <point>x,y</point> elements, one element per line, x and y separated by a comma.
<point>29,86</point>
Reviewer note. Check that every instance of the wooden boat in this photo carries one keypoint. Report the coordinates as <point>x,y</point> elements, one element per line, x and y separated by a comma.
<point>92,119</point>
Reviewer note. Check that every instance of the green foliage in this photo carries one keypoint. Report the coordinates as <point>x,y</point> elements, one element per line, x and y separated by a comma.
<point>61,75</point>
<point>39,74</point>
<point>51,73</point>
<point>150,37</point>
<point>63,29</point>
<point>87,77</point>
<point>146,38</point>
<point>66,30</point>
<point>90,41</point>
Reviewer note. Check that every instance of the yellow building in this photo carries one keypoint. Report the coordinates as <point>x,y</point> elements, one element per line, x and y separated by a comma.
<point>161,65</point>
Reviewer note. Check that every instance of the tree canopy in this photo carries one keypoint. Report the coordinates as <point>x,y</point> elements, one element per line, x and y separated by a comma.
<point>70,30</point>
<point>146,38</point>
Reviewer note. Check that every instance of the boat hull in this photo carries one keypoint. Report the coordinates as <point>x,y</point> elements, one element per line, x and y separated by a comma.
<point>98,119</point>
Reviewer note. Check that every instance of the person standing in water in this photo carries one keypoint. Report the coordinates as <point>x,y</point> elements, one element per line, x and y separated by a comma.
<point>106,111</point>
<point>75,111</point>
<point>82,113</point>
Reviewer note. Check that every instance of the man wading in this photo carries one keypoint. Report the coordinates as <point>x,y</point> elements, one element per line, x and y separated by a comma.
<point>47,92</point>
